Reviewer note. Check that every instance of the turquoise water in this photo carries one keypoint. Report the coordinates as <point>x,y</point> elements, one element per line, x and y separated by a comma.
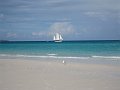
<point>65,49</point>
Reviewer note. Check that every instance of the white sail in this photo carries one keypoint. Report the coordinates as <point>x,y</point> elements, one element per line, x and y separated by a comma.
<point>54,38</point>
<point>57,38</point>
<point>61,37</point>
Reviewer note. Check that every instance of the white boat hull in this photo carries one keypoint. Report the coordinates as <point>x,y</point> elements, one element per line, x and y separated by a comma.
<point>58,41</point>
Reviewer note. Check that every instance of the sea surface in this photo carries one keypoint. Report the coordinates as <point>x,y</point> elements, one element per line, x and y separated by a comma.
<point>67,49</point>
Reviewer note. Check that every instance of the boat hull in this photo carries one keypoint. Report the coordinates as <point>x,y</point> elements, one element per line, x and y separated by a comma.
<point>58,41</point>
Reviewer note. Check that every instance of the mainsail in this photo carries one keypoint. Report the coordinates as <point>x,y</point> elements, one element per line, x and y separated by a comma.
<point>57,37</point>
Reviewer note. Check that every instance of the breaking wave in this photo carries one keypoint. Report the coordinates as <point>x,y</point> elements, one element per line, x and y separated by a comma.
<point>60,57</point>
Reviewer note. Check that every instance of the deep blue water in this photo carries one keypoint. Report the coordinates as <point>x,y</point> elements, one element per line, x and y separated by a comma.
<point>63,49</point>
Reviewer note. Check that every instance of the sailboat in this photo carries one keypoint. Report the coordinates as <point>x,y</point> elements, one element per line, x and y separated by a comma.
<point>57,38</point>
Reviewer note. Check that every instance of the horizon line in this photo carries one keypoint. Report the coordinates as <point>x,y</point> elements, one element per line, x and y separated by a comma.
<point>50,40</point>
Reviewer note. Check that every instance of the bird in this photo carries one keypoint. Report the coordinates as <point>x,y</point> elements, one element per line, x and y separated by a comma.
<point>63,62</point>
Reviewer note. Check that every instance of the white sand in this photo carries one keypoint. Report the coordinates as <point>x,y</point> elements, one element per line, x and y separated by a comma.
<point>43,75</point>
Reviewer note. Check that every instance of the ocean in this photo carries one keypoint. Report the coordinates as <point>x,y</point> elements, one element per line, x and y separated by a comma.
<point>107,49</point>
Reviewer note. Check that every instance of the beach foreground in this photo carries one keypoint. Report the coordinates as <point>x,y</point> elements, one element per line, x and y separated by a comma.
<point>50,75</point>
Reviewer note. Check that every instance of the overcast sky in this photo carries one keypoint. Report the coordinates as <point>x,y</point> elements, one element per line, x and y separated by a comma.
<point>74,19</point>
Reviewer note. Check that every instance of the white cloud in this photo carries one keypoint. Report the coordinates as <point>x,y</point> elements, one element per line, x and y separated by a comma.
<point>92,14</point>
<point>65,4</point>
<point>38,33</point>
<point>11,35</point>
<point>62,27</point>
<point>101,15</point>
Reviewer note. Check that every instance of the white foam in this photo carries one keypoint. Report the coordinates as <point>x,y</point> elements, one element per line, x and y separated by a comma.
<point>59,57</point>
<point>2,54</point>
<point>74,57</point>
<point>51,54</point>
<point>47,56</point>
<point>107,57</point>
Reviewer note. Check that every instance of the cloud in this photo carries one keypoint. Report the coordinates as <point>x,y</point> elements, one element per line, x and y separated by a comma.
<point>119,17</point>
<point>32,17</point>
<point>1,16</point>
<point>92,14</point>
<point>38,33</point>
<point>64,28</point>
<point>96,14</point>
<point>9,35</point>
<point>61,4</point>
<point>44,10</point>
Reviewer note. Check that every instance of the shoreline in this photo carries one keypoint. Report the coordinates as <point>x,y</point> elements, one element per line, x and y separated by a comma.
<point>22,74</point>
<point>84,60</point>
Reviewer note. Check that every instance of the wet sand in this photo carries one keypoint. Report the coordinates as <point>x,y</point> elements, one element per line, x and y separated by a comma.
<point>51,75</point>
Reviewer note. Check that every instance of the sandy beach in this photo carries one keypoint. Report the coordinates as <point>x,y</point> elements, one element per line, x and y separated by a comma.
<point>50,75</point>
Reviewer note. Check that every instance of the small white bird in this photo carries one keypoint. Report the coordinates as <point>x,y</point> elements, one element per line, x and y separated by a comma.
<point>63,62</point>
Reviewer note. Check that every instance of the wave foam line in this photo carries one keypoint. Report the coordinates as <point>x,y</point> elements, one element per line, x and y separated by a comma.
<point>60,57</point>
<point>107,57</point>
<point>49,56</point>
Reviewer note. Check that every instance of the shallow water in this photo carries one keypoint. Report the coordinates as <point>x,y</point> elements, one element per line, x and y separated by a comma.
<point>109,50</point>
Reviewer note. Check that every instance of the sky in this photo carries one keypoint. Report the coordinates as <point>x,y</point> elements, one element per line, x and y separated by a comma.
<point>39,20</point>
